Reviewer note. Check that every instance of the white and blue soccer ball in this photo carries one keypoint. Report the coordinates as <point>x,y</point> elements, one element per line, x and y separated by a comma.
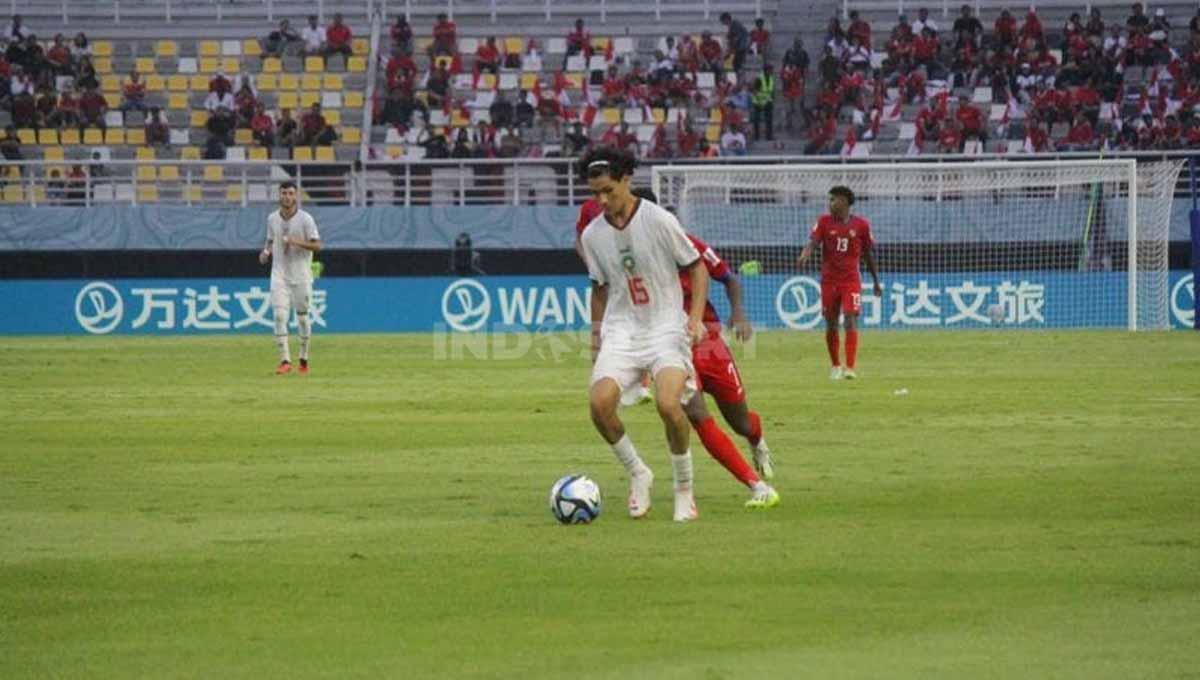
<point>575,499</point>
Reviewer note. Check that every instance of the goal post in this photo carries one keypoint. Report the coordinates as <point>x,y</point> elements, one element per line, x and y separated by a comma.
<point>983,244</point>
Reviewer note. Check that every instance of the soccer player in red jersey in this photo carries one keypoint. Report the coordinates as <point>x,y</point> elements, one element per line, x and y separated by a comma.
<point>844,240</point>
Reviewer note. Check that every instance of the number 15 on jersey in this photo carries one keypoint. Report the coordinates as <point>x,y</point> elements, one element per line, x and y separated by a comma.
<point>637,291</point>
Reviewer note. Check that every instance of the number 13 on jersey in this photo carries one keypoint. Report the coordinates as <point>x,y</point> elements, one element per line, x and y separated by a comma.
<point>637,291</point>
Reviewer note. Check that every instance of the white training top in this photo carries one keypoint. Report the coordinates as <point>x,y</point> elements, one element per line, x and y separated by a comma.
<point>640,265</point>
<point>293,264</point>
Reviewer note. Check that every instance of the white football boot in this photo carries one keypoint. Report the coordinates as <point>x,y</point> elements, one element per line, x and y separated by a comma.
<point>685,505</point>
<point>639,493</point>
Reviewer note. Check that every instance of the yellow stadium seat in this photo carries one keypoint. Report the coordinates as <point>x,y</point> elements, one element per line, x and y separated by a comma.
<point>325,154</point>
<point>102,64</point>
<point>53,153</point>
<point>259,153</point>
<point>177,83</point>
<point>155,83</point>
<point>199,118</point>
<point>210,48</point>
<point>145,65</point>
<point>233,193</point>
<point>314,64</point>
<point>487,81</point>
<point>267,82</point>
<point>289,81</point>
<point>331,81</point>
<point>243,137</point>
<point>514,45</point>
<point>575,80</point>
<point>310,81</point>
<point>27,135</point>
<point>193,194</point>
<point>209,64</point>
<point>353,99</point>
<point>713,133</point>
<point>168,173</point>
<point>307,99</point>
<point>302,153</point>
<point>423,45</point>
<point>93,137</point>
<point>135,136</point>
<point>39,194</point>
<point>177,100</point>
<point>528,80</point>
<point>113,100</point>
<point>251,47</point>
<point>599,43</point>
<point>190,153</point>
<point>458,120</point>
<point>333,116</point>
<point>231,65</point>
<point>198,83</point>
<point>360,46</point>
<point>146,173</point>
<point>356,65</point>
<point>110,83</point>
<point>114,136</point>
<point>438,61</point>
<point>394,152</point>
<point>147,194</point>
<point>70,137</point>
<point>272,65</point>
<point>287,100</point>
<point>13,194</point>
<point>146,153</point>
<point>659,115</point>
<point>166,48</point>
<point>47,137</point>
<point>610,115</point>
<point>102,48</point>
<point>715,115</point>
<point>351,135</point>
<point>214,173</point>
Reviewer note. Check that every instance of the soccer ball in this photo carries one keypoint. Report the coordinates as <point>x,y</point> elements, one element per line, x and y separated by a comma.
<point>575,499</point>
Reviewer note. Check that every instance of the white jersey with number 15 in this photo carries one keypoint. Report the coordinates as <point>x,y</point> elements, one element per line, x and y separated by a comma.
<point>640,265</point>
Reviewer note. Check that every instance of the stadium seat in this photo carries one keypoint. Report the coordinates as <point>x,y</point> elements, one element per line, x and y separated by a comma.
<point>102,48</point>
<point>147,173</point>
<point>331,100</point>
<point>289,81</point>
<point>259,153</point>
<point>198,83</point>
<point>135,136</point>
<point>231,65</point>
<point>145,65</point>
<point>110,83</point>
<point>257,193</point>
<point>509,81</point>
<point>155,83</point>
<point>351,135</point>
<point>456,118</point>
<point>469,45</point>
<point>302,153</point>
<point>325,154</point>
<point>314,65</point>
<point>114,136</point>
<point>70,136</point>
<point>575,80</point>
<point>47,137</point>
<point>623,45</point>
<point>231,48</point>
<point>198,119</point>
<point>209,65</point>
<point>333,117</point>
<point>168,173</point>
<point>177,83</point>
<point>177,100</point>
<point>394,152</point>
<point>658,116</point>
<point>331,81</point>
<point>716,115</point>
<point>193,194</point>
<point>597,63</point>
<point>310,81</point>
<point>103,65</point>
<point>356,65</point>
<point>53,153</point>
<point>353,99</point>
<point>114,102</point>
<point>180,137</point>
<point>233,193</point>
<point>209,48</point>
<point>146,153</point>
<point>307,99</point>
<point>514,45</point>
<point>487,81</point>
<point>251,47</point>
<point>556,46</point>
<point>27,136</point>
<point>713,133</point>
<point>187,65</point>
<point>166,48</point>
<point>13,194</point>
<point>633,116</point>
<point>272,65</point>
<point>610,115</point>
<point>267,82</point>
<point>361,46</point>
<point>288,100</point>
<point>147,194</point>
<point>576,63</point>
<point>189,153</point>
<point>214,173</point>
<point>235,153</point>
<point>243,136</point>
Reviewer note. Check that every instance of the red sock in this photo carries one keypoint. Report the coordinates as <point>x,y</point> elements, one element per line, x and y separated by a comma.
<point>831,341</point>
<point>755,429</point>
<point>851,347</point>
<point>721,447</point>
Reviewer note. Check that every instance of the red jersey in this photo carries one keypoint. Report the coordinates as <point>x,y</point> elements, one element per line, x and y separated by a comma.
<point>590,210</point>
<point>717,270</point>
<point>842,245</point>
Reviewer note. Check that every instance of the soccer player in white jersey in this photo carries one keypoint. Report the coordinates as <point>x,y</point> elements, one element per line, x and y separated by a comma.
<point>292,238</point>
<point>634,252</point>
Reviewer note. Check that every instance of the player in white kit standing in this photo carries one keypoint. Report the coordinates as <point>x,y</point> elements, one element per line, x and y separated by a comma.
<point>634,252</point>
<point>292,238</point>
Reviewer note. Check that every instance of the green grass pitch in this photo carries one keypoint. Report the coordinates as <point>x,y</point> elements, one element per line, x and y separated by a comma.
<point>1030,508</point>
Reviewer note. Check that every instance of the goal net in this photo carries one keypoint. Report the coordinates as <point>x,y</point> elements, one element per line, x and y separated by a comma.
<point>1013,244</point>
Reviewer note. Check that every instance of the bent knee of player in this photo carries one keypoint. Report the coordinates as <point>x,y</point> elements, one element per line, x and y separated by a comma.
<point>603,398</point>
<point>668,393</point>
<point>695,408</point>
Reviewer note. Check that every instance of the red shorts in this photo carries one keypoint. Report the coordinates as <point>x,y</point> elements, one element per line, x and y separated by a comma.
<point>841,297</point>
<point>715,371</point>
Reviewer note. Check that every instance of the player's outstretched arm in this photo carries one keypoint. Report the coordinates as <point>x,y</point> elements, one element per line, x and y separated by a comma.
<point>265,253</point>
<point>698,274</point>
<point>869,256</point>
<point>737,311</point>
<point>599,303</point>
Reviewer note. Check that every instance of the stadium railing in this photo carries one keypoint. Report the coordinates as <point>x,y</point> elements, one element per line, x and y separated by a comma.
<point>992,8</point>
<point>540,181</point>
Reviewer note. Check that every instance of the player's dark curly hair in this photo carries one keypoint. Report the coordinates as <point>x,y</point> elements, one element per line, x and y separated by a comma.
<point>606,160</point>
<point>843,191</point>
<point>645,193</point>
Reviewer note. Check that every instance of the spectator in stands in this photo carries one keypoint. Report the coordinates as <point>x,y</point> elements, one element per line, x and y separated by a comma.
<point>483,140</point>
<point>530,61</point>
<point>221,124</point>
<point>445,37</point>
<point>525,110</point>
<point>80,47</point>
<point>85,75</point>
<point>923,22</point>
<point>1031,33</point>
<point>662,69</point>
<point>689,54</point>
<point>314,37</point>
<point>1036,139</point>
<point>438,86</point>
<point>501,111</point>
<point>487,57</point>
<point>10,145</point>
<point>950,140</point>
<point>20,82</point>
<point>312,124</point>
<point>737,40</point>
<point>45,105</point>
<point>1004,31</point>
<point>1093,30</point>
<point>220,84</point>
<point>282,38</point>
<point>967,27</point>
<point>59,57</point>
<point>836,38</point>
<point>67,111</point>
<point>970,120</point>
<point>219,98</point>
<point>16,30</point>
<point>1081,137</point>
<point>214,148</point>
<point>796,55</point>
<point>338,38</point>
<point>246,104</point>
<point>711,56</point>
<point>733,142</point>
<point>36,64</point>
<point>820,137</point>
<point>706,150</point>
<point>576,142</point>
<point>401,71</point>
<point>830,68</point>
<point>24,108</point>
<point>1194,28</point>
<point>462,145</point>
<point>760,39</point>
<point>858,28</point>
<point>134,91</point>
<point>763,102</point>
<point>858,55</point>
<point>1137,22</point>
<point>287,130</point>
<point>510,143</point>
<point>965,68</point>
<point>92,109</point>
<point>579,41</point>
<point>157,132</point>
<point>76,184</point>
<point>793,96</point>
<point>1160,27</point>
<point>613,91</point>
<point>402,35</point>
<point>926,54</point>
<point>671,48</point>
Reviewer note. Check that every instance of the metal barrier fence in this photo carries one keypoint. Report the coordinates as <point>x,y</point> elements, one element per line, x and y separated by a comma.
<point>545,181</point>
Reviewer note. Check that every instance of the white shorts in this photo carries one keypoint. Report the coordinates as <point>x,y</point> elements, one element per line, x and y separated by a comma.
<point>624,360</point>
<point>295,296</point>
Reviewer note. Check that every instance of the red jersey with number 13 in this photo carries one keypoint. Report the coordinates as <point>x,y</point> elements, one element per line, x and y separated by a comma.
<point>842,245</point>
<point>718,270</point>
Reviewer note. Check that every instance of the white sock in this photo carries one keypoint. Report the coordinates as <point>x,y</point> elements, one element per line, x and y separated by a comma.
<point>762,443</point>
<point>281,335</point>
<point>759,487</point>
<point>305,325</point>
<point>682,465</point>
<point>628,456</point>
